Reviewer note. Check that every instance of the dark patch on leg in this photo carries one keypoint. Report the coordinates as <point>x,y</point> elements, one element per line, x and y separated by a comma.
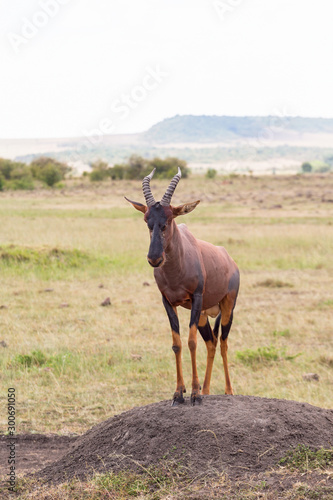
<point>175,348</point>
<point>196,309</point>
<point>233,288</point>
<point>234,282</point>
<point>174,323</point>
<point>197,298</point>
<point>217,326</point>
<point>226,328</point>
<point>206,332</point>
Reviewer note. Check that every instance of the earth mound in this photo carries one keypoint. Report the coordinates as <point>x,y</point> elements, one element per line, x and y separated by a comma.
<point>234,434</point>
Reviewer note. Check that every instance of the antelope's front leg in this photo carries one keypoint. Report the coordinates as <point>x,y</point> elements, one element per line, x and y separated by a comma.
<point>178,397</point>
<point>192,344</point>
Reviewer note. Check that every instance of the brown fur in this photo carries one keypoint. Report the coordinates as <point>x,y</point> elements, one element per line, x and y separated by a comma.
<point>178,278</point>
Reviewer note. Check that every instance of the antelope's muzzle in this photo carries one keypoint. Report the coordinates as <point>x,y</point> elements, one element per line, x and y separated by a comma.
<point>156,262</point>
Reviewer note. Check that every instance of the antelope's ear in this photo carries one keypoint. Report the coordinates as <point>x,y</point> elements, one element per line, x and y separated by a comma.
<point>138,206</point>
<point>184,209</point>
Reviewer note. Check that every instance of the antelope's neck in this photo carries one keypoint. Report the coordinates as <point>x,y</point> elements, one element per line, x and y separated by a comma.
<point>174,252</point>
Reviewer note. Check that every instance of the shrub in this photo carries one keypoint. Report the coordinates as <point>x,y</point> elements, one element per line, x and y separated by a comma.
<point>117,172</point>
<point>6,167</point>
<point>306,167</point>
<point>138,167</point>
<point>50,174</point>
<point>323,169</point>
<point>168,167</point>
<point>48,170</point>
<point>26,183</point>
<point>15,175</point>
<point>100,171</point>
<point>211,173</point>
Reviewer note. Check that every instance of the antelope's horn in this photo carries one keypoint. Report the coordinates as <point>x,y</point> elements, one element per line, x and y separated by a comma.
<point>166,200</point>
<point>146,189</point>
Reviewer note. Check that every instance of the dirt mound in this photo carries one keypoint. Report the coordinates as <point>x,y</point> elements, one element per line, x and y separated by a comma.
<point>235,434</point>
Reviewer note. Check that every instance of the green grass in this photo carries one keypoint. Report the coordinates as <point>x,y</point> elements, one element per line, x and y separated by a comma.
<point>57,263</point>
<point>50,263</point>
<point>263,355</point>
<point>303,459</point>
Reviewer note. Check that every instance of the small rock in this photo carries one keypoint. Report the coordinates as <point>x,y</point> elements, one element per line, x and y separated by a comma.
<point>106,302</point>
<point>145,283</point>
<point>3,343</point>
<point>64,305</point>
<point>46,290</point>
<point>310,376</point>
<point>101,285</point>
<point>3,307</point>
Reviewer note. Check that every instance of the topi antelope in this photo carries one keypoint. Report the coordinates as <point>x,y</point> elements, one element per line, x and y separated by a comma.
<point>193,274</point>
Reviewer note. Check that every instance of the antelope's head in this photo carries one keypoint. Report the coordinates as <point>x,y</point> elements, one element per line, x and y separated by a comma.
<point>159,216</point>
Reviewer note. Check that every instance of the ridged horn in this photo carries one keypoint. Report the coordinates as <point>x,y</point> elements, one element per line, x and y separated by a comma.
<point>166,200</point>
<point>146,189</point>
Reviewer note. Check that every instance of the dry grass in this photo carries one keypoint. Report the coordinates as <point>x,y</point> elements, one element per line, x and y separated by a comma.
<point>103,360</point>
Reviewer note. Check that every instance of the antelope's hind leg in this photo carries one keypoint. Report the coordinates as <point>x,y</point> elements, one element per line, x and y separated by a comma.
<point>211,342</point>
<point>196,398</point>
<point>227,307</point>
<point>178,397</point>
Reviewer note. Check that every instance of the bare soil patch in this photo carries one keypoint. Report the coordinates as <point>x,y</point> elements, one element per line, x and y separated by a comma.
<point>238,435</point>
<point>34,451</point>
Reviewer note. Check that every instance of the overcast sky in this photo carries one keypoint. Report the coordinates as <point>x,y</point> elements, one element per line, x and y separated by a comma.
<point>69,67</point>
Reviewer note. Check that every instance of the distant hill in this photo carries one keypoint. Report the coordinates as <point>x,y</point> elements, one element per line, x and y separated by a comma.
<point>226,143</point>
<point>190,128</point>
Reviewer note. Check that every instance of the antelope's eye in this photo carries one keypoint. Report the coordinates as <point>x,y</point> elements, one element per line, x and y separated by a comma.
<point>163,228</point>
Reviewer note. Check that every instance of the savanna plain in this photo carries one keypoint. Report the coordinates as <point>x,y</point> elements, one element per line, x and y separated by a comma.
<point>74,363</point>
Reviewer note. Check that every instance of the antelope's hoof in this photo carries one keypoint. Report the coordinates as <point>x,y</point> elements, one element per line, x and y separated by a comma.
<point>178,399</point>
<point>196,399</point>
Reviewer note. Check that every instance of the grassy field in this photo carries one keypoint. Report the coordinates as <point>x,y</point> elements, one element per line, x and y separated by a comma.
<point>74,363</point>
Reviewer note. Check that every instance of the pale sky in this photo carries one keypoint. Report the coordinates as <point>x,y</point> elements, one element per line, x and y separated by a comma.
<point>69,67</point>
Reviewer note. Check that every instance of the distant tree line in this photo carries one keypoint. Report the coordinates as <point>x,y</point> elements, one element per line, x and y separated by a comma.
<point>138,167</point>
<point>18,175</point>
